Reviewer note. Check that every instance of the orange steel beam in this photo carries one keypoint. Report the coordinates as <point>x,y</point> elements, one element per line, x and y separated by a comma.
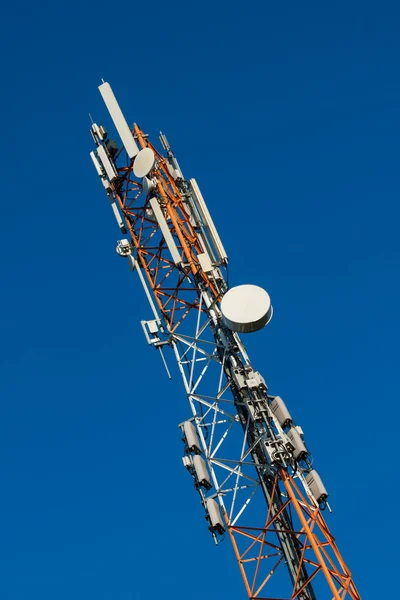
<point>173,218</point>
<point>320,554</point>
<point>310,537</point>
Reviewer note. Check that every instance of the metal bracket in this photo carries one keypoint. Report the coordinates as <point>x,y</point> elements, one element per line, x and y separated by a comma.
<point>150,330</point>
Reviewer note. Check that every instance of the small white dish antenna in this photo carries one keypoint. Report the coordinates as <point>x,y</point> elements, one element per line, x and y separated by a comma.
<point>148,185</point>
<point>144,162</point>
<point>246,308</point>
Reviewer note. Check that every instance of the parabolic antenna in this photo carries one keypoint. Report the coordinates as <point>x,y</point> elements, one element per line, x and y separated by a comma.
<point>144,162</point>
<point>246,308</point>
<point>148,185</point>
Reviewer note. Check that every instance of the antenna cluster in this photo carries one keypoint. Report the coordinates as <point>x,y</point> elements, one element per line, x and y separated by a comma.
<point>246,455</point>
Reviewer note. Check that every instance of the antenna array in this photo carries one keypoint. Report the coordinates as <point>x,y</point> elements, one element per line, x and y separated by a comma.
<point>247,457</point>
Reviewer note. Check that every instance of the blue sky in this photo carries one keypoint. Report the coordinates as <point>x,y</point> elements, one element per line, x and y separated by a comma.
<point>288,117</point>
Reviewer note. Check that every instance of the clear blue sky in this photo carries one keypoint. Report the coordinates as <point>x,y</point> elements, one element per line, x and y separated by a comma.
<point>288,115</point>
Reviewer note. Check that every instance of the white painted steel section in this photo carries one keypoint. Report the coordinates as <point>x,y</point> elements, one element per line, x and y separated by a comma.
<point>246,308</point>
<point>232,472</point>
<point>119,120</point>
<point>107,164</point>
<point>131,263</point>
<point>205,215</point>
<point>165,230</point>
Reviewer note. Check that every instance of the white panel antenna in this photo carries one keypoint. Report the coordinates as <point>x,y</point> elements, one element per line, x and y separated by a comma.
<point>205,215</point>
<point>96,164</point>
<point>205,262</point>
<point>107,164</point>
<point>107,185</point>
<point>165,230</point>
<point>119,120</point>
<point>99,132</point>
<point>118,217</point>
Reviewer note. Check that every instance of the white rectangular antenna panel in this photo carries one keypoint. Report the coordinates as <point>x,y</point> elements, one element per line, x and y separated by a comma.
<point>100,132</point>
<point>205,262</point>
<point>107,164</point>
<point>107,184</point>
<point>119,120</point>
<point>118,217</point>
<point>165,230</point>
<point>96,164</point>
<point>208,220</point>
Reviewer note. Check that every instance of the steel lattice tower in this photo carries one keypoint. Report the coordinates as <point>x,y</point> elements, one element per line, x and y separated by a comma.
<point>247,457</point>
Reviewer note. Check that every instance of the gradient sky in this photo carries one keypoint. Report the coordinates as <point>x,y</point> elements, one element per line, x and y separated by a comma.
<point>288,116</point>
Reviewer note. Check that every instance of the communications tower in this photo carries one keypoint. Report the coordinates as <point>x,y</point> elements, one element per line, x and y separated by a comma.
<point>248,459</point>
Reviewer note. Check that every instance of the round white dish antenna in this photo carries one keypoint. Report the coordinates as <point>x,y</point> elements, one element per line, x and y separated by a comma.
<point>246,308</point>
<point>144,162</point>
